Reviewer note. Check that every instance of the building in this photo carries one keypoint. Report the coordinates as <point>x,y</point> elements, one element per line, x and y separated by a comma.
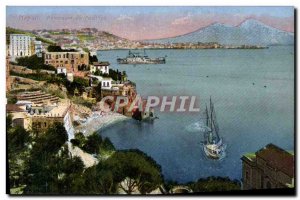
<point>103,67</point>
<point>106,83</point>
<point>61,70</point>
<point>21,45</point>
<point>70,60</point>
<point>70,77</point>
<point>8,82</point>
<point>38,48</point>
<point>38,117</point>
<point>270,167</point>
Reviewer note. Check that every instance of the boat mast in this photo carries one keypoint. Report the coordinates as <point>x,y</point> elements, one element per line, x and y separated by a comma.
<point>211,117</point>
<point>214,121</point>
<point>207,116</point>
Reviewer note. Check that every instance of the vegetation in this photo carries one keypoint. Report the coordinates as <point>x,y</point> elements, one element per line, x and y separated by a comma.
<point>93,144</point>
<point>93,58</point>
<point>41,164</point>
<point>10,30</point>
<point>98,91</point>
<point>212,184</point>
<point>34,62</point>
<point>105,178</point>
<point>85,37</point>
<point>53,48</point>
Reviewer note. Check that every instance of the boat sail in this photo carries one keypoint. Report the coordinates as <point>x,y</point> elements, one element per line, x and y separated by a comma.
<point>213,144</point>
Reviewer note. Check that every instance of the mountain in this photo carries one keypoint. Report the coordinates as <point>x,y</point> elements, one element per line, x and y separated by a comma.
<point>250,32</point>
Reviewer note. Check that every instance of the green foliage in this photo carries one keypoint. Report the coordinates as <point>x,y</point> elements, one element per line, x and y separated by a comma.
<point>18,141</point>
<point>10,30</point>
<point>50,78</point>
<point>93,58</point>
<point>107,145</point>
<point>212,184</point>
<point>17,138</point>
<point>53,48</point>
<point>115,74</point>
<point>97,91</point>
<point>98,180</point>
<point>144,172</point>
<point>49,163</point>
<point>11,99</point>
<point>81,101</point>
<point>52,139</point>
<point>79,140</point>
<point>93,143</point>
<point>8,122</point>
<point>34,62</point>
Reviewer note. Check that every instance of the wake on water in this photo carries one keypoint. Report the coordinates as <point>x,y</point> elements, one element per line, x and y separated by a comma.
<point>197,127</point>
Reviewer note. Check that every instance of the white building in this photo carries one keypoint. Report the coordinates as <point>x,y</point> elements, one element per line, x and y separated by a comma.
<point>62,70</point>
<point>20,46</point>
<point>106,83</point>
<point>70,77</point>
<point>38,48</point>
<point>103,67</point>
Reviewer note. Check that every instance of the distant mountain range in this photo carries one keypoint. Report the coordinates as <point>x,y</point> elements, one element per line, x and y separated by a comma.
<point>250,32</point>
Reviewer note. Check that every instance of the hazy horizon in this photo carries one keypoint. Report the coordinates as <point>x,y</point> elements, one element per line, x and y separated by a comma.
<point>141,23</point>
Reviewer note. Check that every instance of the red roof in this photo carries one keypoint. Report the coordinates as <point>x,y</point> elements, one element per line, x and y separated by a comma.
<point>14,108</point>
<point>278,159</point>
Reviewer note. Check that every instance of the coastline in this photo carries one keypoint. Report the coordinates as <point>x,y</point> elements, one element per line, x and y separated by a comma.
<point>98,120</point>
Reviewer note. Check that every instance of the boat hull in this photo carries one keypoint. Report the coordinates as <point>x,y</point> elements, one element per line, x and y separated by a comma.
<point>215,151</point>
<point>125,61</point>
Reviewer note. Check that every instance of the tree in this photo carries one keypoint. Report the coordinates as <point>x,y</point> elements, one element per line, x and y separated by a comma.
<point>212,184</point>
<point>98,91</point>
<point>49,164</point>
<point>93,143</point>
<point>54,48</point>
<point>79,140</point>
<point>134,169</point>
<point>98,180</point>
<point>93,58</point>
<point>8,122</point>
<point>34,62</point>
<point>18,140</point>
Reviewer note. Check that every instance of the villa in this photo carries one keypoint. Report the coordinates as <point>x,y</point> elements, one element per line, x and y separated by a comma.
<point>270,167</point>
<point>103,67</point>
<point>70,60</point>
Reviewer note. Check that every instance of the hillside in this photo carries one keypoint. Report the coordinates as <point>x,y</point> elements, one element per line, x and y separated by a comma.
<point>10,30</point>
<point>250,32</point>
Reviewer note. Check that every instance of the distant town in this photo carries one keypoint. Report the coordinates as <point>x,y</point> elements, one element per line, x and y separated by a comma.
<point>92,39</point>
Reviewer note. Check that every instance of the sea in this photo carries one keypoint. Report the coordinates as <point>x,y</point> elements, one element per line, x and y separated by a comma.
<point>253,95</point>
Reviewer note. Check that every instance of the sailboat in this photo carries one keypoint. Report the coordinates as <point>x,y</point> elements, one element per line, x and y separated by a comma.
<point>213,144</point>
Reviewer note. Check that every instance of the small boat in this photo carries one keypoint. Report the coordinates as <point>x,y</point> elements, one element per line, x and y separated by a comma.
<point>213,144</point>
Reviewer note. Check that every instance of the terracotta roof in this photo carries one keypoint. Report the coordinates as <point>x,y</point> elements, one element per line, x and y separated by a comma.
<point>14,108</point>
<point>277,158</point>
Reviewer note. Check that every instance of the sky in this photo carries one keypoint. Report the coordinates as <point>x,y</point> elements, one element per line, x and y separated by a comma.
<point>137,23</point>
